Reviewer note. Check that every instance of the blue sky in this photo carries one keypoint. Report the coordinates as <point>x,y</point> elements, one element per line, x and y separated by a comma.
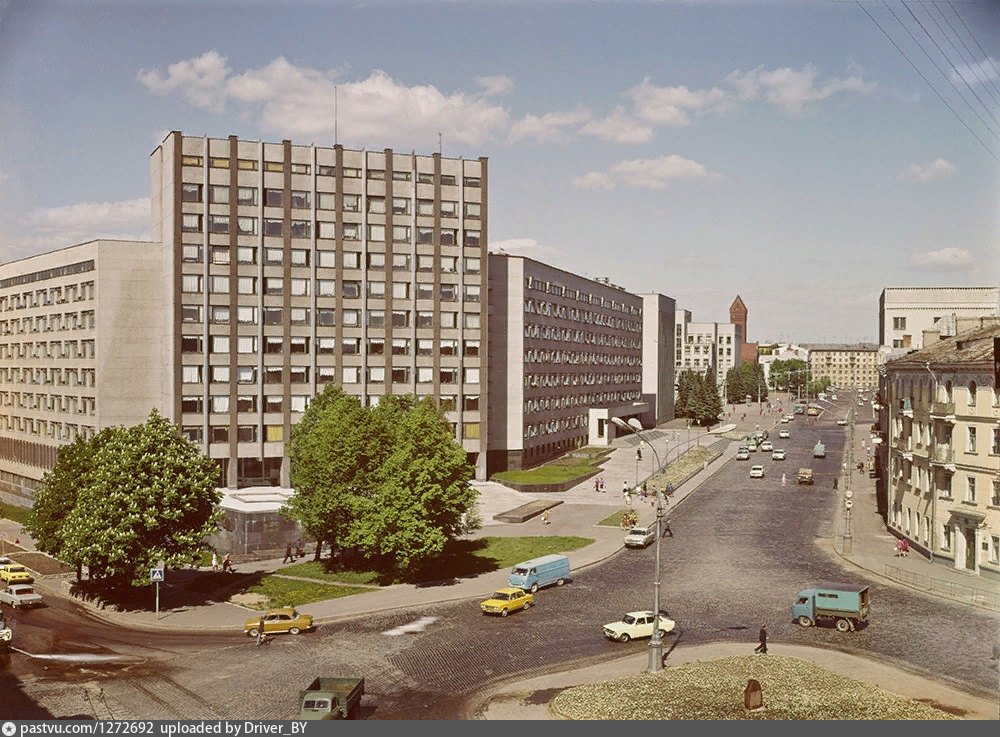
<point>787,152</point>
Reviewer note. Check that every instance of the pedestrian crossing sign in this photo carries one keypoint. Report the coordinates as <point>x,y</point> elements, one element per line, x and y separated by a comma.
<point>155,574</point>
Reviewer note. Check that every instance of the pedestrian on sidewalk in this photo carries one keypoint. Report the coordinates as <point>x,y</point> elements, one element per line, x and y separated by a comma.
<point>227,564</point>
<point>597,485</point>
<point>215,561</point>
<point>300,549</point>
<point>761,649</point>
<point>288,554</point>
<point>545,517</point>
<point>260,631</point>
<point>666,528</point>
<point>784,479</point>
<point>603,488</point>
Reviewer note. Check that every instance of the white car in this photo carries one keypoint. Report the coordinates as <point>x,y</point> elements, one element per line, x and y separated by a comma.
<point>637,624</point>
<point>786,419</point>
<point>841,421</point>
<point>756,472</point>
<point>743,454</point>
<point>766,446</point>
<point>640,537</point>
<point>778,455</point>
<point>784,433</point>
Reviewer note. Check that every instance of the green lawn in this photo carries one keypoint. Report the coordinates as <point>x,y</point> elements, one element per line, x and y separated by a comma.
<point>286,592</point>
<point>549,473</point>
<point>323,570</point>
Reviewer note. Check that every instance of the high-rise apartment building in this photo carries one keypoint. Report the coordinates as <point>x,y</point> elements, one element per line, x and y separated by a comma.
<point>289,267</point>
<point>844,364</point>
<point>563,349</point>
<point>79,351</point>
<point>904,313</point>
<point>703,346</point>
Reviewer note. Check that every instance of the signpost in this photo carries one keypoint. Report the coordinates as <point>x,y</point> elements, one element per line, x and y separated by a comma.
<point>156,576</point>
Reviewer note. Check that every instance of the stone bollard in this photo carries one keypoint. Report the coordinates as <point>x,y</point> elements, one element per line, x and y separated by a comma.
<point>753,697</point>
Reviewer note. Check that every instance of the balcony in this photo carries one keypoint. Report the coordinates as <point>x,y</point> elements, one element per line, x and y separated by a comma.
<point>943,455</point>
<point>943,411</point>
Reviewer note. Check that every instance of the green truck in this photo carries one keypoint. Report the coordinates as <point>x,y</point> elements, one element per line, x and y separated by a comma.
<point>331,698</point>
<point>845,604</point>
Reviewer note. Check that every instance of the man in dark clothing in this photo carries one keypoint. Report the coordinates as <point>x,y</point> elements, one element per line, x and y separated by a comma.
<point>666,528</point>
<point>288,554</point>
<point>762,647</point>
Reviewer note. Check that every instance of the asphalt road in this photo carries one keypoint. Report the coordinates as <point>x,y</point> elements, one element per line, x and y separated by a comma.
<point>741,550</point>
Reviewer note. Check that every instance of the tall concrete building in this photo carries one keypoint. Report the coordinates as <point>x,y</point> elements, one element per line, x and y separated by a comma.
<point>79,351</point>
<point>844,364</point>
<point>289,267</point>
<point>904,313</point>
<point>658,358</point>
<point>565,355</point>
<point>699,346</point>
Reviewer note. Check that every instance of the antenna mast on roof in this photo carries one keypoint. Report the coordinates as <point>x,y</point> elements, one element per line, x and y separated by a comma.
<point>335,117</point>
<point>439,144</point>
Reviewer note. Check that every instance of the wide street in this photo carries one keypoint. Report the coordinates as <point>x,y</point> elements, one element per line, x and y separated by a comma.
<point>741,550</point>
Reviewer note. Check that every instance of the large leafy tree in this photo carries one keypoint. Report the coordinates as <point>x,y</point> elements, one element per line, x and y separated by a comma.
<point>789,375</point>
<point>746,379</point>
<point>146,495</point>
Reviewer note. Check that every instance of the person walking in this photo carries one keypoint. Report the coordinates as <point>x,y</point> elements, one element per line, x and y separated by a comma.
<point>545,517</point>
<point>260,631</point>
<point>666,528</point>
<point>604,489</point>
<point>761,649</point>
<point>227,564</point>
<point>784,479</point>
<point>597,485</point>
<point>215,561</point>
<point>300,548</point>
<point>288,554</point>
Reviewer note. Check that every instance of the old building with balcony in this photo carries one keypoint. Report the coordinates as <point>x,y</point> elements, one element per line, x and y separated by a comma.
<point>939,456</point>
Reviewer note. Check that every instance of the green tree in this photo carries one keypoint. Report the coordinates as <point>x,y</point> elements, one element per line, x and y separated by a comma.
<point>151,496</point>
<point>789,375</point>
<point>686,383</point>
<point>423,497</point>
<point>707,404</point>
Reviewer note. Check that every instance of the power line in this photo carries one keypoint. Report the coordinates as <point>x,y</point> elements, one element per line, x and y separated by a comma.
<point>914,39</point>
<point>961,76</point>
<point>917,69</point>
<point>986,56</point>
<point>987,83</point>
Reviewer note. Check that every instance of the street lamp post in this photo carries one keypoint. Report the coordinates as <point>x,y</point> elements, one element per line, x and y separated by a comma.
<point>656,641</point>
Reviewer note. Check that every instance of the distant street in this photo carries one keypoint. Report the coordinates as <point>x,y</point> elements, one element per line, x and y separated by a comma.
<point>742,549</point>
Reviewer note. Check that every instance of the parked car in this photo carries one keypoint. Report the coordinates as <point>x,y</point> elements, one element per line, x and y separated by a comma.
<point>785,419</point>
<point>767,446</point>
<point>283,619</point>
<point>15,573</point>
<point>20,595</point>
<point>752,447</point>
<point>743,454</point>
<point>778,454</point>
<point>783,433</point>
<point>842,421</point>
<point>507,600</point>
<point>640,537</point>
<point>756,472</point>
<point>637,624</point>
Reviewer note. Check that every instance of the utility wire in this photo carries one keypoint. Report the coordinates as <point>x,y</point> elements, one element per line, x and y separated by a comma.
<point>940,70</point>
<point>961,76</point>
<point>986,56</point>
<point>973,65</point>
<point>917,69</point>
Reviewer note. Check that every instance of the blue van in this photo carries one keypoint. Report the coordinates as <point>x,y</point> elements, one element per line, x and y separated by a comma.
<point>545,571</point>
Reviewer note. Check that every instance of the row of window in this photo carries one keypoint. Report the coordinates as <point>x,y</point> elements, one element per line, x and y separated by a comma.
<point>325,170</point>
<point>579,295</point>
<point>53,322</point>
<point>274,403</point>
<point>581,358</point>
<point>917,391</point>
<point>563,401</point>
<point>195,374</point>
<point>303,200</point>
<point>53,429</point>
<point>375,260</point>
<point>923,439</point>
<point>918,528</point>
<point>273,433</point>
<point>575,335</point>
<point>326,230</point>
<point>534,429</point>
<point>45,297</point>
<point>562,312</point>
<point>580,379</point>
<point>276,345</point>
<point>65,403</point>
<point>48,349</point>
<point>349,289</point>
<point>47,376</point>
<point>328,317</point>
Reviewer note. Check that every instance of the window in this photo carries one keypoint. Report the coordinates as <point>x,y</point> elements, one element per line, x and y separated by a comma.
<point>400,206</point>
<point>376,232</point>
<point>448,179</point>
<point>274,433</point>
<point>300,287</point>
<point>400,233</point>
<point>273,256</point>
<point>471,348</point>
<point>246,315</point>
<point>326,317</point>
<point>350,318</point>
<point>899,323</point>
<point>273,227</point>
<point>471,376</point>
<point>473,210</point>
<point>192,404</point>
<point>449,236</point>
<point>273,403</point>
<point>301,228</point>
<point>376,374</point>
<point>246,254</point>
<point>191,344</point>
<point>326,345</point>
<point>246,164</point>
<point>246,344</point>
<point>190,313</point>
<point>378,174</point>
<point>425,263</point>
<point>218,194</point>
<point>425,236</point>
<point>352,260</point>
<point>425,319</point>
<point>400,375</point>
<point>191,374</point>
<point>192,161</point>
<point>220,404</point>
<point>220,374</point>
<point>246,433</point>
<point>218,162</point>
<point>996,441</point>
<point>449,292</point>
<point>190,192</point>
<point>352,203</point>
<point>190,223</point>
<point>449,209</point>
<point>218,434</point>
<point>425,207</point>
<point>350,375</point>
<point>400,346</point>
<point>376,318</point>
<point>220,284</point>
<point>350,346</point>
<point>326,259</point>
<point>376,289</point>
<point>376,205</point>
<point>273,198</point>
<point>326,287</point>
<point>449,319</point>
<point>472,292</point>
<point>300,169</point>
<point>400,318</point>
<point>326,229</point>
<point>272,315</point>
<point>190,253</point>
<point>470,402</point>
<point>472,182</point>
<point>400,290</point>
<point>299,316</point>
<point>301,200</point>
<point>471,320</point>
<point>352,232</point>
<point>351,289</point>
<point>970,490</point>
<point>471,237</point>
<point>425,177</point>
<point>246,225</point>
<point>449,347</point>
<point>472,265</point>
<point>470,430</point>
<point>970,446</point>
<point>425,374</point>
<point>246,285</point>
<point>972,393</point>
<point>191,283</point>
<point>246,196</point>
<point>401,176</point>
<point>400,262</point>
<point>220,344</point>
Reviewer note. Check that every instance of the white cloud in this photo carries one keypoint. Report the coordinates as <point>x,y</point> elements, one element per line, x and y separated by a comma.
<point>937,169</point>
<point>671,105</point>
<point>979,72</point>
<point>298,102</point>
<point>594,180</point>
<point>656,173</point>
<point>495,85</point>
<point>547,127</point>
<point>945,259</point>
<point>57,227</point>
<point>522,247</point>
<point>792,89</point>
<point>619,127</point>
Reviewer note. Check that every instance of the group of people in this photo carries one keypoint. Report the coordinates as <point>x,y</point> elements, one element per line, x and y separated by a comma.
<point>227,562</point>
<point>902,547</point>
<point>599,485</point>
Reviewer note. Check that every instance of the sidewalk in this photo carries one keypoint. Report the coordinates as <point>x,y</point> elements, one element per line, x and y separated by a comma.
<point>579,514</point>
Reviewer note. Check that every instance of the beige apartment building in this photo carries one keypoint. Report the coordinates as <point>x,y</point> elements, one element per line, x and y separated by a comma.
<point>79,351</point>
<point>289,267</point>
<point>700,346</point>
<point>940,450</point>
<point>904,313</point>
<point>565,355</point>
<point>853,365</point>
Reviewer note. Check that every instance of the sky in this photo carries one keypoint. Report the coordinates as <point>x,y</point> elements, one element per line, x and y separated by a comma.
<point>802,155</point>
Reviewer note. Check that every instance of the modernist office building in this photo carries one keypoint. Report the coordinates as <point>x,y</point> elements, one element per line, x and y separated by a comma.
<point>566,353</point>
<point>79,351</point>
<point>905,312</point>
<point>700,346</point>
<point>289,267</point>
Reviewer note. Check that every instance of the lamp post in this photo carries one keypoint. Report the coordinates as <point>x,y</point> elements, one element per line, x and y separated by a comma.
<point>656,641</point>
<point>848,545</point>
